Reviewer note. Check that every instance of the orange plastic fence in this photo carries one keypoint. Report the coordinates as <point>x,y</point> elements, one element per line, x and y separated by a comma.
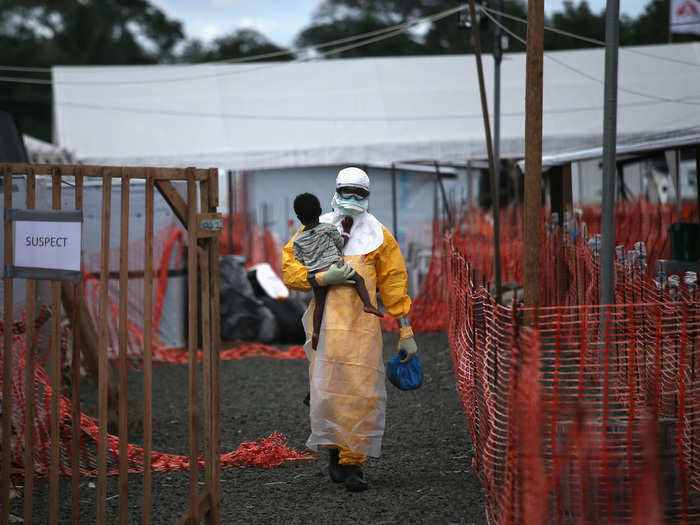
<point>579,414</point>
<point>266,452</point>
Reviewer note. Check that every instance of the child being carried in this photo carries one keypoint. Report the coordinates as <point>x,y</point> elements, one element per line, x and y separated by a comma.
<point>318,246</point>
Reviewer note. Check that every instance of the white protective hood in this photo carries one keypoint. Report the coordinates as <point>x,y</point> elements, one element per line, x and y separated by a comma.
<point>366,234</point>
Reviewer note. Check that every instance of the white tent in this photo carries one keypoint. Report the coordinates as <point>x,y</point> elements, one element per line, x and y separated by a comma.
<point>368,110</point>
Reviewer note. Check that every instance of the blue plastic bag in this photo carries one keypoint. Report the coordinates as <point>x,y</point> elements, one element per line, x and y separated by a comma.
<point>406,376</point>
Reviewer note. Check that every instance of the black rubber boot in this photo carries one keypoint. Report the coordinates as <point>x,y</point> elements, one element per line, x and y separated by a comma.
<point>354,480</point>
<point>338,473</point>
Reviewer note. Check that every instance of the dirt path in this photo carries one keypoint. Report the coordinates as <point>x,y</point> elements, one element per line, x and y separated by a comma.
<point>423,476</point>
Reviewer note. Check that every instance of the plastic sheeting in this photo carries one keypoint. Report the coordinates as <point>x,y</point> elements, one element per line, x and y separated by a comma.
<point>366,110</point>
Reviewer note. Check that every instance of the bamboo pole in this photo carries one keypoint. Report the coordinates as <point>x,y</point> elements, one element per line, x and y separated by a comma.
<point>102,351</point>
<point>533,153</point>
<point>148,351</point>
<point>215,336</point>
<point>495,186</point>
<point>123,371</point>
<point>7,364</point>
<point>192,346</point>
<point>75,378</point>
<point>29,392</point>
<point>55,371</point>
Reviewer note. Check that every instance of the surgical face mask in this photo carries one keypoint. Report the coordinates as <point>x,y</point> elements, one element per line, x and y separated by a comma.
<point>352,204</point>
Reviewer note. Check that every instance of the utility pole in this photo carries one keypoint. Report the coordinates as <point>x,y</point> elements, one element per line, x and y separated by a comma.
<point>607,265</point>
<point>533,153</point>
<point>489,148</point>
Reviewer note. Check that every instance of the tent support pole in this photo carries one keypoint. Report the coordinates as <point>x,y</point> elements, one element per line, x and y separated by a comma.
<point>607,268</point>
<point>533,154</point>
<point>489,147</point>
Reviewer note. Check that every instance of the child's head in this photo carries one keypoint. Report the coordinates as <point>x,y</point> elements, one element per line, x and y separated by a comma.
<point>308,208</point>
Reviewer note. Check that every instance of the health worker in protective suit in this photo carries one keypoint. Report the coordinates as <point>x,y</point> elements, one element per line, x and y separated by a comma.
<point>346,371</point>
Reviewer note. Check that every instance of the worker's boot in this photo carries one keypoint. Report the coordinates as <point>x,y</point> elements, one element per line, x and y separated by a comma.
<point>338,473</point>
<point>354,480</point>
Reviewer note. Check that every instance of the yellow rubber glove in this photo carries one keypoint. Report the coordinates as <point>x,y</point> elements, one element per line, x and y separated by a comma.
<point>407,343</point>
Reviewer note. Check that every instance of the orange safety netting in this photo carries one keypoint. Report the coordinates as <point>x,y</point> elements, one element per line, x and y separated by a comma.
<point>267,452</point>
<point>579,414</point>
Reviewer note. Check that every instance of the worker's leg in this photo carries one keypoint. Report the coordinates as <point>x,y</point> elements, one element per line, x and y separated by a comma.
<point>348,457</point>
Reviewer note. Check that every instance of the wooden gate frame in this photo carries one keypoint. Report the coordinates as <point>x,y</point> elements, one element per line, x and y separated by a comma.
<point>202,228</point>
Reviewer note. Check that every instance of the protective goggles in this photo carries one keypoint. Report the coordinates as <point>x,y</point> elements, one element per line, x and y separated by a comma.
<point>350,192</point>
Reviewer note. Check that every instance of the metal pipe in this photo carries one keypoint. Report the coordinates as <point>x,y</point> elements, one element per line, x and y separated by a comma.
<point>607,267</point>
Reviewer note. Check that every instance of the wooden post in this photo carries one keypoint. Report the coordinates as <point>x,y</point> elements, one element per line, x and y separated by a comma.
<point>148,349</point>
<point>495,185</point>
<point>206,343</point>
<point>55,370</point>
<point>533,153</point>
<point>7,364</point>
<point>215,336</point>
<point>29,392</point>
<point>75,318</point>
<point>103,365</point>
<point>192,300</point>
<point>123,371</point>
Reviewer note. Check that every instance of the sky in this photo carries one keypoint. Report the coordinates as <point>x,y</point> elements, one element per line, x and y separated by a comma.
<point>281,20</point>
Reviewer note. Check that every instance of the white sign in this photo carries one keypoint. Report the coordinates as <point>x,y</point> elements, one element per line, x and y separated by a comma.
<point>51,245</point>
<point>685,16</point>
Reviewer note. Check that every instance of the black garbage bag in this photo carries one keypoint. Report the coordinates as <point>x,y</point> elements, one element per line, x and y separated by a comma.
<point>287,313</point>
<point>243,315</point>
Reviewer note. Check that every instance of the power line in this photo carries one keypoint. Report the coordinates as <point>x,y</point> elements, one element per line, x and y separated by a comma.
<point>588,76</point>
<point>364,40</point>
<point>589,40</point>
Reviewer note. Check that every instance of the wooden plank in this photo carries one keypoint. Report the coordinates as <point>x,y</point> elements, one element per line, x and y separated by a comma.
<point>215,338</point>
<point>133,172</point>
<point>55,374</point>
<point>203,506</point>
<point>7,364</point>
<point>75,377</point>
<point>102,352</point>
<point>173,198</point>
<point>206,337</point>
<point>29,393</point>
<point>209,224</point>
<point>148,352</point>
<point>192,301</point>
<point>123,371</point>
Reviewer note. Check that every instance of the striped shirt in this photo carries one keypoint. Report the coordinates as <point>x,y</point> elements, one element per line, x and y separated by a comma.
<point>318,247</point>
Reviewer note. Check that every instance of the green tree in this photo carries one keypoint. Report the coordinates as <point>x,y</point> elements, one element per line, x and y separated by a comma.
<point>342,18</point>
<point>41,34</point>
<point>239,44</point>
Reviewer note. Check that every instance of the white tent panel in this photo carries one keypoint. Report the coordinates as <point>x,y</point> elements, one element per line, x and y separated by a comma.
<point>366,110</point>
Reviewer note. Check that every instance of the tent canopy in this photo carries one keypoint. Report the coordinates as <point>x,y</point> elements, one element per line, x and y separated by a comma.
<point>365,110</point>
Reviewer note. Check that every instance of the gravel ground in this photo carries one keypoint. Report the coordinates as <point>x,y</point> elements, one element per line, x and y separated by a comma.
<point>423,475</point>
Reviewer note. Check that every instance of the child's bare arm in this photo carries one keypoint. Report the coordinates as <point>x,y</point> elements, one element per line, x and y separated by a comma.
<point>347,226</point>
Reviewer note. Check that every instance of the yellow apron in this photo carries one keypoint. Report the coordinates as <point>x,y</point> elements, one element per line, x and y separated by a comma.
<point>346,372</point>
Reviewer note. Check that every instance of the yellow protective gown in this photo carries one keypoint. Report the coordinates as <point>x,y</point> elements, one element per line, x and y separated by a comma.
<point>346,372</point>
